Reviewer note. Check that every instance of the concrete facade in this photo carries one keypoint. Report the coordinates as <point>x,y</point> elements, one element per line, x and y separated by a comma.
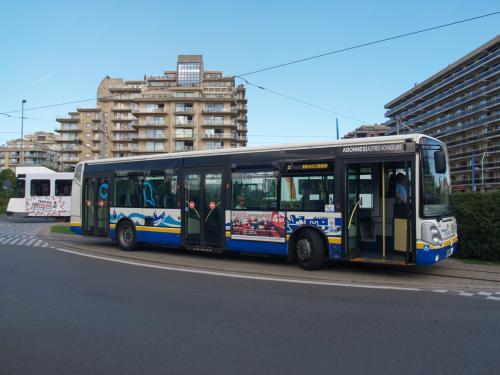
<point>459,105</point>
<point>184,109</point>
<point>364,131</point>
<point>39,148</point>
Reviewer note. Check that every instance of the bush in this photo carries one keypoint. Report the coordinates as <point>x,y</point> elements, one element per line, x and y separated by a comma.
<point>478,218</point>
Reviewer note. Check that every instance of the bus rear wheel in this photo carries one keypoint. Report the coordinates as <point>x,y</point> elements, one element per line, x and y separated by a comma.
<point>310,250</point>
<point>125,236</point>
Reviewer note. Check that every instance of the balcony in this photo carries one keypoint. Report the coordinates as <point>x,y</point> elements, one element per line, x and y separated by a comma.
<point>150,111</point>
<point>455,103</point>
<point>212,111</point>
<point>123,118</point>
<point>180,110</point>
<point>184,122</point>
<point>218,123</point>
<point>219,136</point>
<point>72,140</point>
<point>152,137</point>
<point>66,128</point>
<point>484,61</point>
<point>123,129</point>
<point>184,148</point>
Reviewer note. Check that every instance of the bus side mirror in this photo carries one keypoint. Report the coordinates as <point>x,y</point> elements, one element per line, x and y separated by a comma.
<point>440,161</point>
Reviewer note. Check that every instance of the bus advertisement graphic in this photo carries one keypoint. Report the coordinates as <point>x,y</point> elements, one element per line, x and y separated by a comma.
<point>44,206</point>
<point>258,225</point>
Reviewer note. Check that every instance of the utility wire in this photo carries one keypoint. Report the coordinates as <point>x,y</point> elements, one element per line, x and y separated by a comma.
<point>296,62</point>
<point>368,44</point>
<point>299,100</point>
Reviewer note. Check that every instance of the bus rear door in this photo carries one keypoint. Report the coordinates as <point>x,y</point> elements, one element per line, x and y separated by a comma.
<point>95,219</point>
<point>203,214</point>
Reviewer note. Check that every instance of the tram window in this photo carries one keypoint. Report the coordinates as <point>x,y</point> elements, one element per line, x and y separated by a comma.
<point>160,189</point>
<point>40,188</point>
<point>128,189</point>
<point>255,191</point>
<point>307,193</point>
<point>63,188</point>
<point>20,188</point>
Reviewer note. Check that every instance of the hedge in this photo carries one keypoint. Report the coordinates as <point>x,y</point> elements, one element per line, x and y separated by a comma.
<point>478,218</point>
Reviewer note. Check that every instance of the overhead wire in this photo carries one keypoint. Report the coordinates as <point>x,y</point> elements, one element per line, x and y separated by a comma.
<point>328,53</point>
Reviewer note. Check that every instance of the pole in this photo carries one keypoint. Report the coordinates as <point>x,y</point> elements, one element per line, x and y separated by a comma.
<point>104,134</point>
<point>473,170</point>
<point>383,211</point>
<point>482,171</point>
<point>337,123</point>
<point>22,131</point>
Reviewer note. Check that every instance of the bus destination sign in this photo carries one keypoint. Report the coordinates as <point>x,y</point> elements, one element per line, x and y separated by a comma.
<point>306,166</point>
<point>391,147</point>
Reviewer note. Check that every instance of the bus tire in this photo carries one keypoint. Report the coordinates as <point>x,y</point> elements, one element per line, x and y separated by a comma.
<point>125,236</point>
<point>310,250</point>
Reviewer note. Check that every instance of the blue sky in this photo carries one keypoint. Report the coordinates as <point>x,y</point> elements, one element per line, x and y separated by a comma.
<point>54,52</point>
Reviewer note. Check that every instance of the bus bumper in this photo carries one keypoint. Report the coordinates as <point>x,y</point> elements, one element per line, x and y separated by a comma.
<point>76,228</point>
<point>427,254</point>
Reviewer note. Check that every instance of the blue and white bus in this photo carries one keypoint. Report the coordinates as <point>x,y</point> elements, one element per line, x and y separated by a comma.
<point>379,199</point>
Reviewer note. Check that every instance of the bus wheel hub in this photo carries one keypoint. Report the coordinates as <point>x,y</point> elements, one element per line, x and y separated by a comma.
<point>304,249</point>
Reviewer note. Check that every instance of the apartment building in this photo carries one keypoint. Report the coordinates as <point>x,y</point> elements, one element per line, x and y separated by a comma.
<point>39,148</point>
<point>459,105</point>
<point>189,108</point>
<point>364,131</point>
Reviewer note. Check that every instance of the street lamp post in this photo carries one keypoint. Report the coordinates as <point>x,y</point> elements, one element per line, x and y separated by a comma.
<point>482,171</point>
<point>22,131</point>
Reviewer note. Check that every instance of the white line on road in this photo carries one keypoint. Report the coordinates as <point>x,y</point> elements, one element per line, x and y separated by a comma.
<point>238,276</point>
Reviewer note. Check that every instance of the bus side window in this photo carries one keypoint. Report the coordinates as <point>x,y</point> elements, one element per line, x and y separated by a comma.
<point>63,188</point>
<point>255,191</point>
<point>19,190</point>
<point>160,189</point>
<point>307,193</point>
<point>128,190</point>
<point>40,188</point>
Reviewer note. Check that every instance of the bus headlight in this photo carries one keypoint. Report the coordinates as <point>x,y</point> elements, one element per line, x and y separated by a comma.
<point>431,234</point>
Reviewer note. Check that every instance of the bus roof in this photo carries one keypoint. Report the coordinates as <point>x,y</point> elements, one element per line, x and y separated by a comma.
<point>225,151</point>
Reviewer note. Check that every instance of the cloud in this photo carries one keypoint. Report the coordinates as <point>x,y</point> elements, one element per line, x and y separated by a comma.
<point>41,79</point>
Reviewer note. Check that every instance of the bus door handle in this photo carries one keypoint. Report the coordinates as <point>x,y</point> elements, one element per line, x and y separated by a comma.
<point>353,211</point>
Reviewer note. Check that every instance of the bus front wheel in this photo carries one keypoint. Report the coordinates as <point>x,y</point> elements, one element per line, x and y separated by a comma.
<point>125,236</point>
<point>310,250</point>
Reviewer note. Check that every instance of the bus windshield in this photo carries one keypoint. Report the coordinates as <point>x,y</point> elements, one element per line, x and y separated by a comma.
<point>436,180</point>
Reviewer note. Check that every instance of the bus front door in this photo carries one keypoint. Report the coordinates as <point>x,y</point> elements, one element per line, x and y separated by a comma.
<point>203,216</point>
<point>95,206</point>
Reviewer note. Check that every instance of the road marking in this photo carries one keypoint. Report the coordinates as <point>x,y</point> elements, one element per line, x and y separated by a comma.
<point>238,276</point>
<point>440,290</point>
<point>493,298</point>
<point>465,294</point>
<point>485,294</point>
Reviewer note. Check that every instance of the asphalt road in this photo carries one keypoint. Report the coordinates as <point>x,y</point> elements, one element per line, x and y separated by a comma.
<point>62,313</point>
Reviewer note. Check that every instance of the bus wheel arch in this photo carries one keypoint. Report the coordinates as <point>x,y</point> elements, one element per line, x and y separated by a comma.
<point>126,235</point>
<point>309,247</point>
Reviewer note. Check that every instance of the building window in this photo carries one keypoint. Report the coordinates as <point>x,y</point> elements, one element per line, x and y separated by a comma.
<point>154,120</point>
<point>184,133</point>
<point>184,146</point>
<point>155,146</point>
<point>188,73</point>
<point>184,107</point>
